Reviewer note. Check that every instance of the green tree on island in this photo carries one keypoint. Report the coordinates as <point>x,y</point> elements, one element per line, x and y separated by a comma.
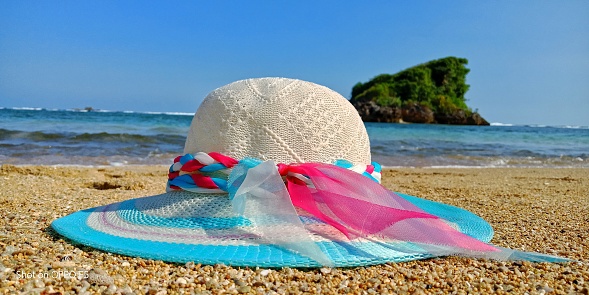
<point>438,85</point>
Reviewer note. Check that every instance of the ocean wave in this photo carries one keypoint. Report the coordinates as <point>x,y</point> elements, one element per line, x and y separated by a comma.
<point>574,127</point>
<point>122,137</point>
<point>18,136</point>
<point>169,113</point>
<point>84,110</point>
<point>501,124</point>
<point>557,126</point>
<point>136,112</point>
<point>24,135</point>
<point>498,124</point>
<point>24,109</point>
<point>480,162</point>
<point>149,113</point>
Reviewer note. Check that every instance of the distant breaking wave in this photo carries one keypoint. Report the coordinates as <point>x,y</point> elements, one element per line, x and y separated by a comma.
<point>500,124</point>
<point>539,125</point>
<point>17,136</point>
<point>95,110</point>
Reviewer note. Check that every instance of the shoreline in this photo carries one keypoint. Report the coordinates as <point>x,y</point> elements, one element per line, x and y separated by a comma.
<point>384,167</point>
<point>532,209</point>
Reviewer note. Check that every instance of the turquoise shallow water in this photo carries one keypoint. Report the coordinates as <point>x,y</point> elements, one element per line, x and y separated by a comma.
<point>70,137</point>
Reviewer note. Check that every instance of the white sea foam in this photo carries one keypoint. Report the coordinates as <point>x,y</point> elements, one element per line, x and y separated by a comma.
<point>83,110</point>
<point>169,113</point>
<point>575,127</point>
<point>26,109</point>
<point>501,124</point>
<point>557,126</point>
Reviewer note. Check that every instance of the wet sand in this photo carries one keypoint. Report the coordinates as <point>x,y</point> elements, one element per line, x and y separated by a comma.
<point>542,210</point>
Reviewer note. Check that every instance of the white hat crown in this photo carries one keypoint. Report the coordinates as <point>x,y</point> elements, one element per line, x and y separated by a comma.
<point>280,119</point>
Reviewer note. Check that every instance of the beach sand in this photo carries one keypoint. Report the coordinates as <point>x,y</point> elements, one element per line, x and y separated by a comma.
<point>543,210</point>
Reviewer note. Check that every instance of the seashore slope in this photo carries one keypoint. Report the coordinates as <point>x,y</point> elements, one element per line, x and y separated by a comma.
<point>544,210</point>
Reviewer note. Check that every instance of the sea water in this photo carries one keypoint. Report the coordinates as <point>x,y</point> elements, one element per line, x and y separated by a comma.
<point>79,137</point>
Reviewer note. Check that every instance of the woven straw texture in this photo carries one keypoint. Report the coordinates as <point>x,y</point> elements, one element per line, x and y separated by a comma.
<point>285,120</point>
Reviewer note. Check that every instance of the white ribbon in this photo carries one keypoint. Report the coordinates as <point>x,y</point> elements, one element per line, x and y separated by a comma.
<point>263,198</point>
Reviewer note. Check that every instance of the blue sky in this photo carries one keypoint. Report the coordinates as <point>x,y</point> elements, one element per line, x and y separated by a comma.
<point>529,60</point>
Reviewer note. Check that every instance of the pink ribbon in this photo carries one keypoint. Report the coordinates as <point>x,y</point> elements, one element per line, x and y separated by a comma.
<point>354,205</point>
<point>359,207</point>
<point>346,200</point>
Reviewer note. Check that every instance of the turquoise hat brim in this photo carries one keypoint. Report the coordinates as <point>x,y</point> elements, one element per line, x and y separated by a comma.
<point>344,254</point>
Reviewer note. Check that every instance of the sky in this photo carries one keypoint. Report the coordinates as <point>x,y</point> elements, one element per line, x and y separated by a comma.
<point>528,60</point>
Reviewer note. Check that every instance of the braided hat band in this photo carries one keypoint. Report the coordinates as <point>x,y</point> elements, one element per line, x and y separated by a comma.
<point>207,173</point>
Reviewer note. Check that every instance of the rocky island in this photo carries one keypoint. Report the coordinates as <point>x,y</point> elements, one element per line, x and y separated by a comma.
<point>432,92</point>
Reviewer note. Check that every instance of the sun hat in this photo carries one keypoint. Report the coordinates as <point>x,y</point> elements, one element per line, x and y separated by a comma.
<point>277,172</point>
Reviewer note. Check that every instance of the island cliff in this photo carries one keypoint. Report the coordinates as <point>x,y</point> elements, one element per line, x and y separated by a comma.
<point>432,92</point>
